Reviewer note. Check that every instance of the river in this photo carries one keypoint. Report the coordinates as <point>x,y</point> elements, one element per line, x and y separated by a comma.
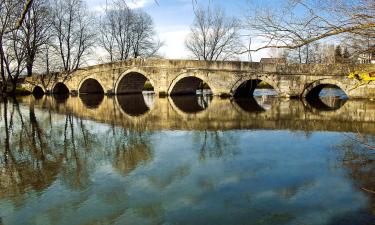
<point>141,159</point>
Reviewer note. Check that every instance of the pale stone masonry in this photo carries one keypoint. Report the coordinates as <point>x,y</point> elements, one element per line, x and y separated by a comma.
<point>173,77</point>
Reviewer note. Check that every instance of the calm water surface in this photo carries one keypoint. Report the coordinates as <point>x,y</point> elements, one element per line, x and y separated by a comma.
<point>140,159</point>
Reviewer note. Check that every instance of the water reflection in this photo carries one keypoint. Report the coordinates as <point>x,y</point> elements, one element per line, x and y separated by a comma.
<point>329,99</point>
<point>249,104</point>
<point>132,150</point>
<point>356,153</point>
<point>192,103</point>
<point>58,165</point>
<point>91,101</point>
<point>326,103</point>
<point>189,113</point>
<point>135,104</point>
<point>61,98</point>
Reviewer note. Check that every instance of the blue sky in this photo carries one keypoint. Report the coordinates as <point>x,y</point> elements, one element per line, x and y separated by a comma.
<point>173,18</point>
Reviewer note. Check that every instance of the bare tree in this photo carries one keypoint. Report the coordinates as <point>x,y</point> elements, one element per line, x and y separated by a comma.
<point>12,14</point>
<point>127,33</point>
<point>143,42</point>
<point>301,22</point>
<point>115,27</point>
<point>35,30</point>
<point>213,36</point>
<point>14,57</point>
<point>72,32</point>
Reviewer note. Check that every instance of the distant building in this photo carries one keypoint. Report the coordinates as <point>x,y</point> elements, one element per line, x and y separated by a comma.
<point>367,57</point>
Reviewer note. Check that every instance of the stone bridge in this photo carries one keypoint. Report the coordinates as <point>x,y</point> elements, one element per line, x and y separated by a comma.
<point>177,77</point>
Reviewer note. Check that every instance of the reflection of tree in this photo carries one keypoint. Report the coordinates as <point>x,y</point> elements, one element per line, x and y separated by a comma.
<point>132,149</point>
<point>75,172</point>
<point>26,163</point>
<point>360,161</point>
<point>214,144</point>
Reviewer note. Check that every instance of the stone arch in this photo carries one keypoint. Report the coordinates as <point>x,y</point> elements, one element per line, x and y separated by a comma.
<point>60,89</point>
<point>132,82</point>
<point>38,91</point>
<point>187,84</point>
<point>313,89</point>
<point>90,86</point>
<point>248,85</point>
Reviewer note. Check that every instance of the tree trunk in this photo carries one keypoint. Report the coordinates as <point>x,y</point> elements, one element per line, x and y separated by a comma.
<point>29,68</point>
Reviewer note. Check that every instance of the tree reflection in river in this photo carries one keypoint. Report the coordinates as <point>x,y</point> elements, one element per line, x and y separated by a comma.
<point>28,161</point>
<point>167,165</point>
<point>33,156</point>
<point>357,155</point>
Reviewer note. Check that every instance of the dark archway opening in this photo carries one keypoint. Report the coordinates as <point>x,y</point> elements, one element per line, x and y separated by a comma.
<point>135,104</point>
<point>254,88</point>
<point>38,92</point>
<point>91,86</point>
<point>60,89</point>
<point>91,93</point>
<point>255,95</point>
<point>134,83</point>
<point>326,97</point>
<point>191,86</point>
<point>192,103</point>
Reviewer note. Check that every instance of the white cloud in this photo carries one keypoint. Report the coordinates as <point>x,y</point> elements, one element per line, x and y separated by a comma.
<point>135,4</point>
<point>174,42</point>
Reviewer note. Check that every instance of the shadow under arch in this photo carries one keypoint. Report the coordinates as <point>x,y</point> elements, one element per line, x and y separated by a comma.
<point>132,82</point>
<point>38,92</point>
<point>133,104</point>
<point>60,89</point>
<point>191,104</point>
<point>247,88</point>
<point>314,89</point>
<point>325,96</point>
<point>189,85</point>
<point>90,86</point>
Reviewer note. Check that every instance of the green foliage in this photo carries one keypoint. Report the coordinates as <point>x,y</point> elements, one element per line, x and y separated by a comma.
<point>148,86</point>
<point>264,85</point>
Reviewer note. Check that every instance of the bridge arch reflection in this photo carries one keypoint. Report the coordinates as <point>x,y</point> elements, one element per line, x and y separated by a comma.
<point>91,101</point>
<point>190,104</point>
<point>135,105</point>
<point>250,105</point>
